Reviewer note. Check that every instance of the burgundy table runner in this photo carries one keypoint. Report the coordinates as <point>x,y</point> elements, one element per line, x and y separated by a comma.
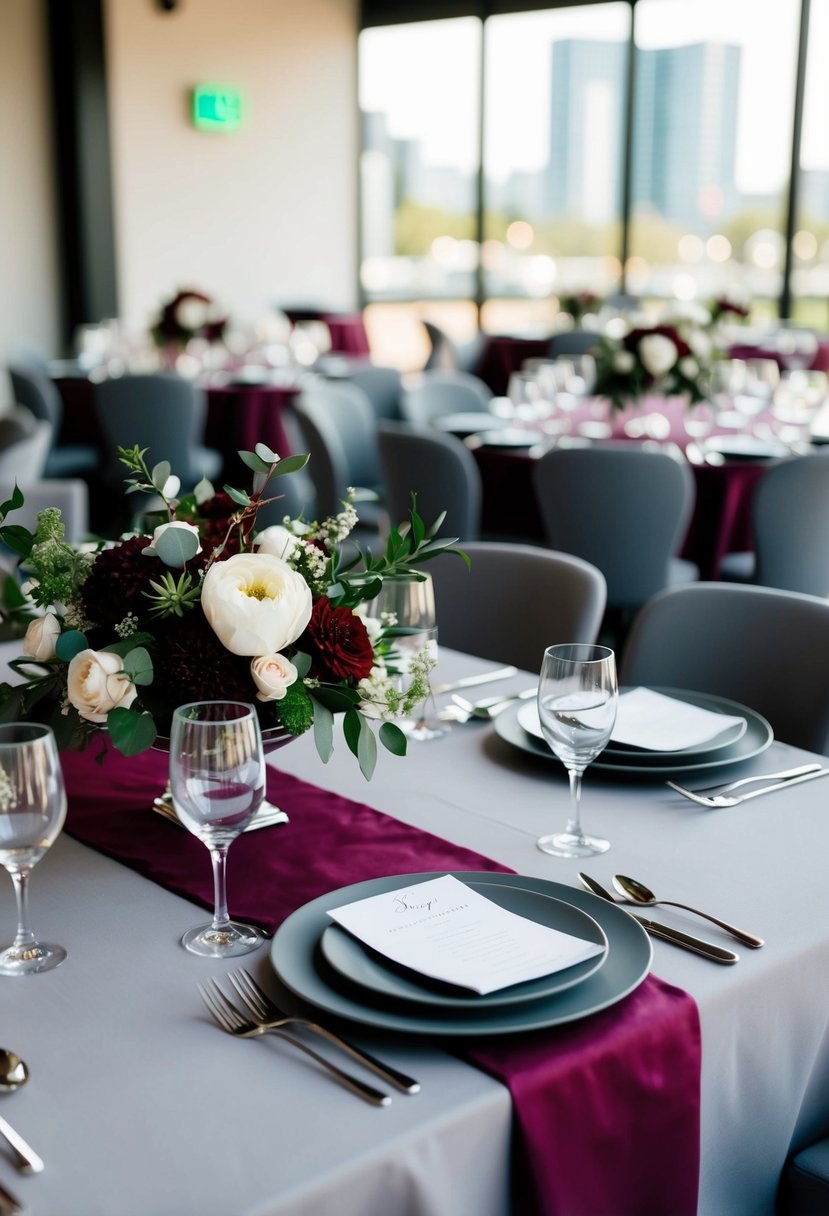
<point>583,1095</point>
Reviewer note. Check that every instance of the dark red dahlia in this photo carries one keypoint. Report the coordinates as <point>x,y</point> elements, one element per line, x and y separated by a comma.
<point>635,336</point>
<point>191,664</point>
<point>116,582</point>
<point>337,642</point>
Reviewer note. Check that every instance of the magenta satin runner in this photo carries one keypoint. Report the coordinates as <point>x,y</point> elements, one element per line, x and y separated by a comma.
<point>606,1111</point>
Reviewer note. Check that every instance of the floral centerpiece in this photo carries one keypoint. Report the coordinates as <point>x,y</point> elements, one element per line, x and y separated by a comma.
<point>672,357</point>
<point>120,633</point>
<point>190,314</point>
<point>730,306</point>
<point>579,304</point>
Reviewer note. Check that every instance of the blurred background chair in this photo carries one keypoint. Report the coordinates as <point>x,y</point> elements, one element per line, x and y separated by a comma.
<point>572,342</point>
<point>766,648</point>
<point>382,385</point>
<point>161,412</point>
<point>515,600</point>
<point>446,354</point>
<point>25,442</point>
<point>790,523</point>
<point>439,469</point>
<point>338,428</point>
<point>33,388</point>
<point>441,392</point>
<point>804,1188</point>
<point>624,510</point>
<point>71,496</point>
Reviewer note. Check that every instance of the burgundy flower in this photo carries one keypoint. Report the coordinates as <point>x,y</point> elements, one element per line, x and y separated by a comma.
<point>117,581</point>
<point>337,642</point>
<point>191,664</point>
<point>635,336</point>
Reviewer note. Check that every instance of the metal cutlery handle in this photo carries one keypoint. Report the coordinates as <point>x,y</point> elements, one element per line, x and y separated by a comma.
<point>784,785</point>
<point>697,945</point>
<point>748,939</point>
<point>387,1071</point>
<point>785,775</point>
<point>375,1096</point>
<point>27,1158</point>
<point>484,677</point>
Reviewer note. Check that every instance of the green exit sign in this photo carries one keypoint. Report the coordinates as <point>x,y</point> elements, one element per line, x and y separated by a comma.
<point>216,108</point>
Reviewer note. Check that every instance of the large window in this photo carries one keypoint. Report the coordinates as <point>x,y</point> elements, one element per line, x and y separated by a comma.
<point>712,131</point>
<point>810,244</point>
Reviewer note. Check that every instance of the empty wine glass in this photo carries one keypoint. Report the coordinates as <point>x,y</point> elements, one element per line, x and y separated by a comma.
<point>217,780</point>
<point>32,811</point>
<point>577,697</point>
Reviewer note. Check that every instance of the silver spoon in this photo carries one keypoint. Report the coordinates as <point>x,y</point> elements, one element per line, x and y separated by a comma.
<point>13,1071</point>
<point>637,893</point>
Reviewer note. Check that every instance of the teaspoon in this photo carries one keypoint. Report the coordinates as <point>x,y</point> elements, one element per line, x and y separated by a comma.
<point>637,893</point>
<point>13,1071</point>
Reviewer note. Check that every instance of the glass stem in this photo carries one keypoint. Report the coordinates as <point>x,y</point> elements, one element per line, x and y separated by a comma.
<point>24,936</point>
<point>574,822</point>
<point>219,859</point>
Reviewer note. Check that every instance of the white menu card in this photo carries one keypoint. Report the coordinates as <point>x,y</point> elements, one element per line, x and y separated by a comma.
<point>448,931</point>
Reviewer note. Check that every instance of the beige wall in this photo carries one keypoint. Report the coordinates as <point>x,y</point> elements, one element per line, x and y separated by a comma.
<point>28,258</point>
<point>263,215</point>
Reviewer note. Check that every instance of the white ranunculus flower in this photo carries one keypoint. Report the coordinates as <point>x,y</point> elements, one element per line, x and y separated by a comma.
<point>273,675</point>
<point>41,637</point>
<point>255,603</point>
<point>658,354</point>
<point>97,683</point>
<point>623,362</point>
<point>688,367</point>
<point>277,541</point>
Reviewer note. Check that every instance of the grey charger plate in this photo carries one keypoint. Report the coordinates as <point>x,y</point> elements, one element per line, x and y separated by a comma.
<point>299,965</point>
<point>369,970</point>
<point>758,736</point>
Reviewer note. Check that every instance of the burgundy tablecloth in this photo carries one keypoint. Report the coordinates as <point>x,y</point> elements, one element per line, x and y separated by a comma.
<point>503,354</point>
<point>606,1111</point>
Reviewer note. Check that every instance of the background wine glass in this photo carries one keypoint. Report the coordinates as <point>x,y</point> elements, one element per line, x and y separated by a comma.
<point>217,780</point>
<point>577,698</point>
<point>408,654</point>
<point>32,812</point>
<point>406,609</point>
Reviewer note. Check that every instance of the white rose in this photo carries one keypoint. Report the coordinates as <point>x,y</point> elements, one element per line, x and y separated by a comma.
<point>700,343</point>
<point>97,683</point>
<point>688,367</point>
<point>273,675</point>
<point>192,314</point>
<point>41,637</point>
<point>255,603</point>
<point>277,541</point>
<point>623,361</point>
<point>658,354</point>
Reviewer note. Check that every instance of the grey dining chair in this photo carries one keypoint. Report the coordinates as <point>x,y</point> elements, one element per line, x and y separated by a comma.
<point>790,523</point>
<point>804,1186</point>
<point>622,508</point>
<point>573,342</point>
<point>382,385</point>
<point>159,411</point>
<point>24,446</point>
<point>439,469</point>
<point>515,600</point>
<point>338,428</point>
<point>764,647</point>
<point>71,496</point>
<point>34,389</point>
<point>442,392</point>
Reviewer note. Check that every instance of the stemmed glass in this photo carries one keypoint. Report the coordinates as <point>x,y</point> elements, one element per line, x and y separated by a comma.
<point>577,697</point>
<point>217,781</point>
<point>32,811</point>
<point>405,608</point>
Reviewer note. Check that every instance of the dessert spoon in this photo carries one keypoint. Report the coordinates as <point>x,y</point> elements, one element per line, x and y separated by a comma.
<point>13,1071</point>
<point>634,892</point>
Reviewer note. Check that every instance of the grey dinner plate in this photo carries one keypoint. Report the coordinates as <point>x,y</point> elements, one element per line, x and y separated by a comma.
<point>369,970</point>
<point>298,963</point>
<point>758,736</point>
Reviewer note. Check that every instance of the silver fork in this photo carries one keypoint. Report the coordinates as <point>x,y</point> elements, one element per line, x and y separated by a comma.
<point>231,1020</point>
<point>723,800</point>
<point>266,1012</point>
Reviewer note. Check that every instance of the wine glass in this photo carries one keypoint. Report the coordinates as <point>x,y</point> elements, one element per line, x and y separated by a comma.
<point>413,655</point>
<point>577,697</point>
<point>405,608</point>
<point>217,780</point>
<point>32,811</point>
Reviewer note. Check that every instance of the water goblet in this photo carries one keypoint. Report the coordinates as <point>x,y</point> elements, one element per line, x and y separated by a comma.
<point>414,654</point>
<point>217,781</point>
<point>32,812</point>
<point>577,697</point>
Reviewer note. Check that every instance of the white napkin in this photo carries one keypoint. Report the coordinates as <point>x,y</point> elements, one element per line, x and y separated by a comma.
<point>444,929</point>
<point>652,721</point>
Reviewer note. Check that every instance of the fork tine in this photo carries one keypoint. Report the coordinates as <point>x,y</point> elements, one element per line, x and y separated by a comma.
<point>233,1015</point>
<point>214,1009</point>
<point>256,999</point>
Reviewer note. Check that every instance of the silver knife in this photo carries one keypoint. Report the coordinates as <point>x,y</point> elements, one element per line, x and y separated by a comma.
<point>484,677</point>
<point>28,1161</point>
<point>717,954</point>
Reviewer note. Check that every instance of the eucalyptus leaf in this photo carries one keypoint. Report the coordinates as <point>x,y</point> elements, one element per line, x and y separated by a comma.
<point>323,731</point>
<point>351,730</point>
<point>161,474</point>
<point>302,663</point>
<point>291,464</point>
<point>338,700</point>
<point>176,546</point>
<point>265,453</point>
<point>393,739</point>
<point>254,462</point>
<point>139,666</point>
<point>203,491</point>
<point>238,496</point>
<point>366,749</point>
<point>69,644</point>
<point>130,732</point>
